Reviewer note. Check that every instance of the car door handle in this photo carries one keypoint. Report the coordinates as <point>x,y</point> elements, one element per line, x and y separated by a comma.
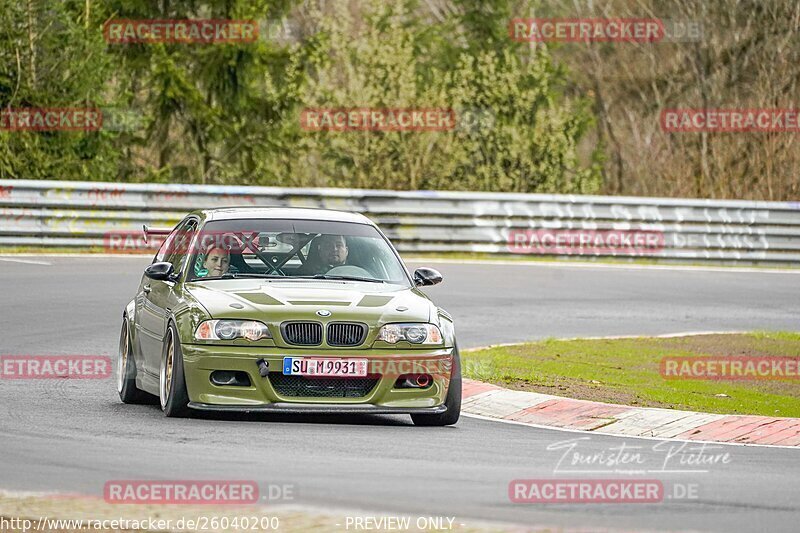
<point>146,289</point>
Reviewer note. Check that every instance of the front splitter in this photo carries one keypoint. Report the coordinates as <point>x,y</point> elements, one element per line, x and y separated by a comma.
<point>318,408</point>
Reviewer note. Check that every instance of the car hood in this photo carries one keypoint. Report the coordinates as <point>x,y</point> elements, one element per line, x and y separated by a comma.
<point>278,300</point>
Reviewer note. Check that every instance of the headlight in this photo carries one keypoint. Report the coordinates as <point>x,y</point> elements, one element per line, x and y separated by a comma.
<point>228,330</point>
<point>413,333</point>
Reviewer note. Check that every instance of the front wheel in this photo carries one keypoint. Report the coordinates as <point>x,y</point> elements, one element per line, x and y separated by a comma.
<point>452,401</point>
<point>126,370</point>
<point>172,383</point>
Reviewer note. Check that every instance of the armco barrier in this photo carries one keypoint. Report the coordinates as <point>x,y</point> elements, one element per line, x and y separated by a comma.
<point>78,214</point>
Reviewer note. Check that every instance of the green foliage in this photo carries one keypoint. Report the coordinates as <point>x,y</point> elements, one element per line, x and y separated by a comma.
<point>229,113</point>
<point>514,131</point>
<point>50,57</point>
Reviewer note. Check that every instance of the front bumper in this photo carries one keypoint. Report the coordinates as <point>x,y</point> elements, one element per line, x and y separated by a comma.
<point>199,361</point>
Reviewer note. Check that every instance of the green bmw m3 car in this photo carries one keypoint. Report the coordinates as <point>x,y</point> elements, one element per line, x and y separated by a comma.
<point>287,310</point>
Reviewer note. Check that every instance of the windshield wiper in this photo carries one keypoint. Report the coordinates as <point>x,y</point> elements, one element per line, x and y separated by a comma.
<point>345,278</point>
<point>254,275</point>
<point>237,275</point>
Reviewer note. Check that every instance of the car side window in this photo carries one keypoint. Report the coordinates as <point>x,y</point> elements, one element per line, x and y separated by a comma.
<point>166,246</point>
<point>179,248</point>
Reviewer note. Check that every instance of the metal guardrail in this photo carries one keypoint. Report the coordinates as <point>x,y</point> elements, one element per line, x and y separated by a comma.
<point>80,214</point>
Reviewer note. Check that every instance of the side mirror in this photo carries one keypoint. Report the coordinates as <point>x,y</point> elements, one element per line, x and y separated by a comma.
<point>162,271</point>
<point>426,276</point>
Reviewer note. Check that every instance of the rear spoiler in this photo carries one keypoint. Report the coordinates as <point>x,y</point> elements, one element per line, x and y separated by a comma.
<point>152,231</point>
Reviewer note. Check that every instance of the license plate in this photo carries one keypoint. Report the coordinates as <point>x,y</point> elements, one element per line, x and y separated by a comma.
<point>304,366</point>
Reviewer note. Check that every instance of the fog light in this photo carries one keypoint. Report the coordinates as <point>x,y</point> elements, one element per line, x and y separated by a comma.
<point>230,378</point>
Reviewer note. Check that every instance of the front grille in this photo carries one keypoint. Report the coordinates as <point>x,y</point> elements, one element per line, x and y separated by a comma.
<point>307,387</point>
<point>302,333</point>
<point>346,333</point>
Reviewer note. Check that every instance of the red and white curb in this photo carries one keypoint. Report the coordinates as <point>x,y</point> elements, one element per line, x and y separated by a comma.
<point>492,401</point>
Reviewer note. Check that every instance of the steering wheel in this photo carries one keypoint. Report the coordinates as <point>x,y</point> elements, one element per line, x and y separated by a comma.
<point>349,270</point>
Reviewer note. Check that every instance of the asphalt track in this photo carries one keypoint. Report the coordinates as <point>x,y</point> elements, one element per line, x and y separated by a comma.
<point>74,436</point>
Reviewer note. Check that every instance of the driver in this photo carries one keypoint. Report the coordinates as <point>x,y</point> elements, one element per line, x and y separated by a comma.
<point>214,263</point>
<point>332,253</point>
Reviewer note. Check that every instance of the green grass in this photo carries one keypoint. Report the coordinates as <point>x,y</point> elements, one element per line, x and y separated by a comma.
<point>626,371</point>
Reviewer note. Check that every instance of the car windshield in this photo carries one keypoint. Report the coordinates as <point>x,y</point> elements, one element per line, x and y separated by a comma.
<point>293,249</point>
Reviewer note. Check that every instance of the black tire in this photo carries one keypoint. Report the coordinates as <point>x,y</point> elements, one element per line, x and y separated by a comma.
<point>172,383</point>
<point>452,400</point>
<point>126,370</point>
